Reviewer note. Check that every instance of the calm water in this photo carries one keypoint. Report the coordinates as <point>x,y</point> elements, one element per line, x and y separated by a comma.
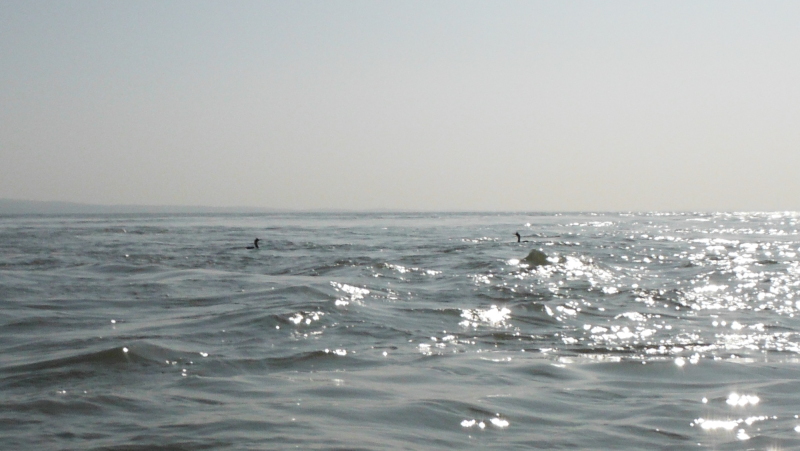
<point>400,331</point>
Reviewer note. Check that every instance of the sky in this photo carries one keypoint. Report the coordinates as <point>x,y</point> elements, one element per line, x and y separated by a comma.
<point>403,105</point>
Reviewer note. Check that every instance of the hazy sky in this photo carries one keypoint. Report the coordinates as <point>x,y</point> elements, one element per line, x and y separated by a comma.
<point>422,105</point>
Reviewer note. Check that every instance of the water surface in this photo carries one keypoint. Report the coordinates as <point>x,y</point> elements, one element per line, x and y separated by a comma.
<point>400,331</point>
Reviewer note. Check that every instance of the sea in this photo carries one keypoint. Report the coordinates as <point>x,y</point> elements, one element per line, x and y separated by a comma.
<point>400,331</point>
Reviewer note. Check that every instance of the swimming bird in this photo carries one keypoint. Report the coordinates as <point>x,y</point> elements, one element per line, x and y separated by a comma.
<point>519,237</point>
<point>255,244</point>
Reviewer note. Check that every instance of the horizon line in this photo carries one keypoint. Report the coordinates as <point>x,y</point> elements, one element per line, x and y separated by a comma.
<point>25,206</point>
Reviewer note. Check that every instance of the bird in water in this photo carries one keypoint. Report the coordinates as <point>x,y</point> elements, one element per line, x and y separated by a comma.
<point>255,244</point>
<point>519,238</point>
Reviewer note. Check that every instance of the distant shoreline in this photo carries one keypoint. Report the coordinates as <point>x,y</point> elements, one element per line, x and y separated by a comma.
<point>29,207</point>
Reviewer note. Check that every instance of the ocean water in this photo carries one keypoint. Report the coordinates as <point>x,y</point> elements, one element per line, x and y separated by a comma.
<point>400,331</point>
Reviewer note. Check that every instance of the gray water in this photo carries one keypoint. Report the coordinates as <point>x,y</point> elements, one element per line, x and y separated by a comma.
<point>400,331</point>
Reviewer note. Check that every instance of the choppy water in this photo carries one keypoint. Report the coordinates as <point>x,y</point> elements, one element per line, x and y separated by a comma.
<point>400,331</point>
